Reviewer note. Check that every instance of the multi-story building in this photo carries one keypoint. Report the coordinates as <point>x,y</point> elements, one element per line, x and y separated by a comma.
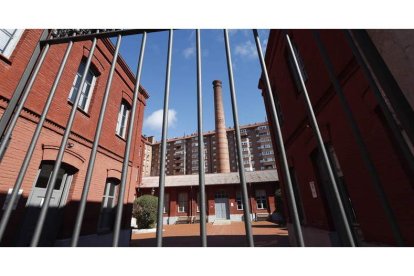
<point>222,180</point>
<point>16,48</point>
<point>182,152</point>
<point>146,155</point>
<point>367,132</point>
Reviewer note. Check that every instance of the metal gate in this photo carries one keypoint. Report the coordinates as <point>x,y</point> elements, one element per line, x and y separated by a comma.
<point>69,37</point>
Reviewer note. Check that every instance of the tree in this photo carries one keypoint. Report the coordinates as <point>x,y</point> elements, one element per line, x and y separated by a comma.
<point>145,211</point>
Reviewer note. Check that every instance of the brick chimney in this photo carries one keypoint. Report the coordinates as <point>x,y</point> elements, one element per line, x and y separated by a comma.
<point>222,146</point>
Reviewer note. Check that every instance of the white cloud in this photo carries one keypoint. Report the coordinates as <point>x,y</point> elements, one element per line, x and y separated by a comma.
<point>154,120</point>
<point>246,50</point>
<point>189,52</point>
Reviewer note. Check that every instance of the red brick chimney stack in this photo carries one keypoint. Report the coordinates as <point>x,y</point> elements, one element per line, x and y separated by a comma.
<point>223,160</point>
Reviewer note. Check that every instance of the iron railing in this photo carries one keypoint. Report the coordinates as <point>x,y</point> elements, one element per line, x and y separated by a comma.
<point>16,104</point>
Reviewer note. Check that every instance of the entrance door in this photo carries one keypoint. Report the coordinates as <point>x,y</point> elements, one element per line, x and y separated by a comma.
<point>221,205</point>
<point>35,203</point>
<point>108,207</point>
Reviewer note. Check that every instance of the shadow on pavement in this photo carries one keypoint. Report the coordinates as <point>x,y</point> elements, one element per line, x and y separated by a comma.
<point>216,241</point>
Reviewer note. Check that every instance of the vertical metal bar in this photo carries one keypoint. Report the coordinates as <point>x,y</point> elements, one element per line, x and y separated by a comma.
<point>52,181</point>
<point>318,135</point>
<point>20,86</point>
<point>390,88</point>
<point>22,101</point>
<point>201,169</point>
<point>405,150</point>
<point>121,194</point>
<point>280,144</point>
<point>360,142</point>
<point>29,153</point>
<point>164,144</point>
<point>92,157</point>
<point>246,209</point>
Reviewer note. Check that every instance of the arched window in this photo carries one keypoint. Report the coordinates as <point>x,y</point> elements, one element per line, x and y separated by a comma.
<point>123,116</point>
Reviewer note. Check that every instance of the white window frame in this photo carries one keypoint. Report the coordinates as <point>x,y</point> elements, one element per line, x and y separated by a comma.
<point>166,208</point>
<point>261,199</point>
<point>182,208</point>
<point>124,106</point>
<point>91,88</point>
<point>12,43</point>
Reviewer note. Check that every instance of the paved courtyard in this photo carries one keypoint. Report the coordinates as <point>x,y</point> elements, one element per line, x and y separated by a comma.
<point>266,234</point>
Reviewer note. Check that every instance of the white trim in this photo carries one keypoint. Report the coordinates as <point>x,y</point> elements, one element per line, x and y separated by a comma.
<point>90,92</point>
<point>88,100</point>
<point>13,43</point>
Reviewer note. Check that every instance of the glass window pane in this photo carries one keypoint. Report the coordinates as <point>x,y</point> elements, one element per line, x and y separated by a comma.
<point>44,175</point>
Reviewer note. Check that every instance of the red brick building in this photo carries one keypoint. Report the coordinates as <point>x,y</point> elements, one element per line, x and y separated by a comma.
<point>312,191</point>
<point>223,196</point>
<point>101,203</point>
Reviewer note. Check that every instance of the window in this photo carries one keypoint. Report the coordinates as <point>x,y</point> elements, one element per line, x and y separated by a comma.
<point>108,207</point>
<point>166,203</point>
<point>123,116</point>
<point>182,202</point>
<point>293,70</point>
<point>261,201</point>
<point>8,40</point>
<point>239,201</point>
<point>86,94</point>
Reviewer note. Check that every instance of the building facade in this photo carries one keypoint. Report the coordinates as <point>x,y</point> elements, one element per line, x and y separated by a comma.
<point>317,209</point>
<point>16,48</point>
<point>182,152</point>
<point>223,196</point>
<point>147,155</point>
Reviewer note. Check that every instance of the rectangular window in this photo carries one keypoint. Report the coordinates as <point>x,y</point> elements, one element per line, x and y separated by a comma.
<point>239,201</point>
<point>293,70</point>
<point>166,203</point>
<point>8,40</point>
<point>86,94</point>
<point>261,201</point>
<point>123,116</point>
<point>182,202</point>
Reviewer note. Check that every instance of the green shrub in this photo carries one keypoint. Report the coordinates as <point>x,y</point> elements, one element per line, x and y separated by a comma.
<point>145,211</point>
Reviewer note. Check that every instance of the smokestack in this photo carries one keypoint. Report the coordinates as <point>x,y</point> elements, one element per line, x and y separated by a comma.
<point>223,160</point>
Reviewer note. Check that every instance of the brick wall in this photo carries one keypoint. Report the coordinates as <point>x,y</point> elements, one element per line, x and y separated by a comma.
<point>111,147</point>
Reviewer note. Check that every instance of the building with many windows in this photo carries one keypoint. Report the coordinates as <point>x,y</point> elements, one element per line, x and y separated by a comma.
<point>182,152</point>
<point>16,48</point>
<point>146,155</point>
<point>223,191</point>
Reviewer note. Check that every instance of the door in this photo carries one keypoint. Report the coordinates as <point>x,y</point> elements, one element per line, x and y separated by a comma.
<point>108,206</point>
<point>221,203</point>
<point>36,200</point>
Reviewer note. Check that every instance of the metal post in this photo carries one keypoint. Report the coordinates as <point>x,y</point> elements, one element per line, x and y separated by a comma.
<point>280,144</point>
<point>20,86</point>
<point>246,209</point>
<point>360,142</point>
<point>201,169</point>
<point>164,144</point>
<point>396,132</point>
<point>33,142</point>
<point>23,99</point>
<point>318,135</point>
<point>92,157</point>
<point>390,88</point>
<point>52,181</point>
<point>121,194</point>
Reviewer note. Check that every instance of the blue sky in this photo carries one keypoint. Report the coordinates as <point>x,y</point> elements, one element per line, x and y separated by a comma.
<point>183,89</point>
